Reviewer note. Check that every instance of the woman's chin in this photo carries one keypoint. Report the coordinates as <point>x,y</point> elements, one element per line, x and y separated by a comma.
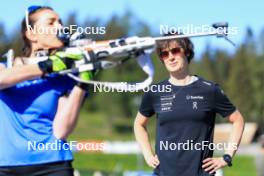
<point>56,44</point>
<point>173,69</point>
<point>59,45</point>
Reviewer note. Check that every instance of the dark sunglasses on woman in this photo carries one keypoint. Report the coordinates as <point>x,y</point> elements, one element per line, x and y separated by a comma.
<point>174,51</point>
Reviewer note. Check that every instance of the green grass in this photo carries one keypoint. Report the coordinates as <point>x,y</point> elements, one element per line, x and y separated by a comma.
<point>97,126</point>
<point>242,166</point>
<point>108,163</point>
<point>112,163</point>
<point>91,126</point>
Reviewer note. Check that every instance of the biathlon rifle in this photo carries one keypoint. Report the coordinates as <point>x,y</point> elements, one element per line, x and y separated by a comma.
<point>100,55</point>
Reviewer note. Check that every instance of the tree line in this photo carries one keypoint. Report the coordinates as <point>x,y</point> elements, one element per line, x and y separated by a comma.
<point>241,74</point>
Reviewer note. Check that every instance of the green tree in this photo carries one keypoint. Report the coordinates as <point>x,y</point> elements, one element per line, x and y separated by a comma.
<point>240,83</point>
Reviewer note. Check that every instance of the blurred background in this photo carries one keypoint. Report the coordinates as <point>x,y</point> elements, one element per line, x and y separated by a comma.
<point>108,117</point>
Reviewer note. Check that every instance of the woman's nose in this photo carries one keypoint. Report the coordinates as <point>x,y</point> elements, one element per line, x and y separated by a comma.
<point>171,56</point>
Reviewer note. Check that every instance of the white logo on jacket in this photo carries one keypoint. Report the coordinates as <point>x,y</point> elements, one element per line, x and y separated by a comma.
<point>195,105</point>
<point>196,97</point>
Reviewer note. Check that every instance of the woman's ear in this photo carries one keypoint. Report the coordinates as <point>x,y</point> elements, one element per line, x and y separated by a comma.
<point>31,35</point>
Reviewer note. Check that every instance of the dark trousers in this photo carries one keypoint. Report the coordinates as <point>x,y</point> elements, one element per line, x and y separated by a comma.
<point>49,169</point>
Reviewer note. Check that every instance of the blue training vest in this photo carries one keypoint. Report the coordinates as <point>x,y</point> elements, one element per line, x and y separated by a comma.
<point>27,111</point>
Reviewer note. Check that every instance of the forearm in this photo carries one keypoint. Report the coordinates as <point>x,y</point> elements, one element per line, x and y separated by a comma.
<point>236,134</point>
<point>14,75</point>
<point>142,138</point>
<point>67,115</point>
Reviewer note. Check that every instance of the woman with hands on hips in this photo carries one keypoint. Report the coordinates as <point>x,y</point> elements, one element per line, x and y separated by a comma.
<point>185,118</point>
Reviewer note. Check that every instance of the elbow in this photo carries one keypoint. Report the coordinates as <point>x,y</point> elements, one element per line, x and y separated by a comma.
<point>140,123</point>
<point>62,127</point>
<point>60,133</point>
<point>138,127</point>
<point>3,77</point>
<point>2,83</point>
<point>238,120</point>
<point>236,117</point>
<point>242,123</point>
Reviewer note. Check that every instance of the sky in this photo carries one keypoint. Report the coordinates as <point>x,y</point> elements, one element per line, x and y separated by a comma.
<point>239,14</point>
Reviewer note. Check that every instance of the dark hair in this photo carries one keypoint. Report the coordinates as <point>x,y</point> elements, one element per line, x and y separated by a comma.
<point>26,50</point>
<point>185,43</point>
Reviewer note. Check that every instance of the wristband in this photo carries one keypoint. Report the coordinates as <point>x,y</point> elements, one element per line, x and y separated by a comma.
<point>228,159</point>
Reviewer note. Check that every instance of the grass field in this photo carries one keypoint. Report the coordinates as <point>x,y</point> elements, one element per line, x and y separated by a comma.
<point>88,163</point>
<point>108,162</point>
<point>242,166</point>
<point>97,126</point>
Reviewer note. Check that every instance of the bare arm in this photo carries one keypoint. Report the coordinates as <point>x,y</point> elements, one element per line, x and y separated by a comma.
<point>211,165</point>
<point>16,74</point>
<point>142,138</point>
<point>67,113</point>
<point>235,137</point>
